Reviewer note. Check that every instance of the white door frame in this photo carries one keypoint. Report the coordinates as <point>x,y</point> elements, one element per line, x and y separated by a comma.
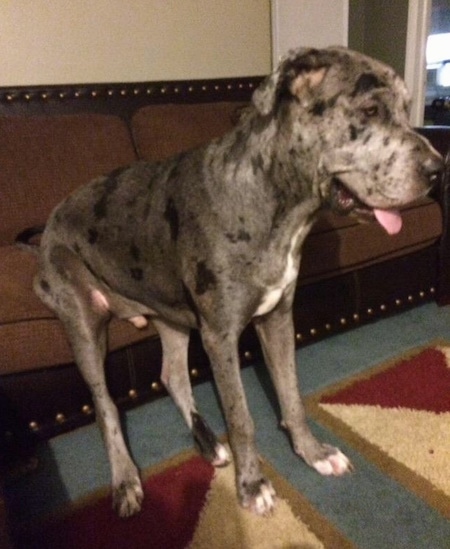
<point>419,13</point>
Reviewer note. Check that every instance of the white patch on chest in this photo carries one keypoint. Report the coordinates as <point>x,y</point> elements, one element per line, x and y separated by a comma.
<point>273,293</point>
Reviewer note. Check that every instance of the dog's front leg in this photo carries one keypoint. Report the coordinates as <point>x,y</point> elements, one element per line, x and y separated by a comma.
<point>276,334</point>
<point>255,492</point>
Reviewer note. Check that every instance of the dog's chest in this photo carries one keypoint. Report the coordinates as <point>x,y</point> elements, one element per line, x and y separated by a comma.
<point>273,292</point>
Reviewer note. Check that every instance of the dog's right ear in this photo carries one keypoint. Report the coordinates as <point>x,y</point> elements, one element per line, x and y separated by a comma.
<point>299,73</point>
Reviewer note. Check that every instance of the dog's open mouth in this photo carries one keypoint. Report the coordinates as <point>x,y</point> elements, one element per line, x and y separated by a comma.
<point>344,202</point>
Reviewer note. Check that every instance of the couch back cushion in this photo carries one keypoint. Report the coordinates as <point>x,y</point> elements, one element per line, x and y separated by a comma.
<point>43,159</point>
<point>160,131</point>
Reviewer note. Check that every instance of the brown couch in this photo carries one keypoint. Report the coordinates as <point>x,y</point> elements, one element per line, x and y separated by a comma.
<point>55,138</point>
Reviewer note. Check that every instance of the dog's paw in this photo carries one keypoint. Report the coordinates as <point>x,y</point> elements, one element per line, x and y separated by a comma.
<point>332,463</point>
<point>259,498</point>
<point>221,457</point>
<point>127,497</point>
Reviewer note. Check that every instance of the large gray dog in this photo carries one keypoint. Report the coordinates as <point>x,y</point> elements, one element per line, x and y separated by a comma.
<point>211,239</point>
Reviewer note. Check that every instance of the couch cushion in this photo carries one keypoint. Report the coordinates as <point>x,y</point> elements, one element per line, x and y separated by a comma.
<point>30,334</point>
<point>160,131</point>
<point>43,159</point>
<point>338,244</point>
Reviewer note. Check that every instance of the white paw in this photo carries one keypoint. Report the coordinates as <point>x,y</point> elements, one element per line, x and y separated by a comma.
<point>127,498</point>
<point>263,503</point>
<point>335,464</point>
<point>222,456</point>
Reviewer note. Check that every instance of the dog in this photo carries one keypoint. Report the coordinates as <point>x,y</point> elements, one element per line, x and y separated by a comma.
<point>211,240</point>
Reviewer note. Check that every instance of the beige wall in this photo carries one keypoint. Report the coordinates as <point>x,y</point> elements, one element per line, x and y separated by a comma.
<point>62,41</point>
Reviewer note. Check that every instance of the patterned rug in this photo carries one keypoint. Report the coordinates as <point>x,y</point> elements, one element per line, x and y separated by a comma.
<point>398,416</point>
<point>188,504</point>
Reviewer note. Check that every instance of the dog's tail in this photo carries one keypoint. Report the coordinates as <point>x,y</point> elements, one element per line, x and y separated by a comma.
<point>28,239</point>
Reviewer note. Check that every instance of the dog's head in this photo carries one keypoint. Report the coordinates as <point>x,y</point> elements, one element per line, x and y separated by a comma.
<point>344,119</point>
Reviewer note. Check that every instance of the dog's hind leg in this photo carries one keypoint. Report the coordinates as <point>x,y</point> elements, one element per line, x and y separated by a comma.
<point>90,350</point>
<point>84,314</point>
<point>175,377</point>
<point>276,334</point>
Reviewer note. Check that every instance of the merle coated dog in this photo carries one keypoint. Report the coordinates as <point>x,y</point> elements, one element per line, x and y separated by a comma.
<point>211,239</point>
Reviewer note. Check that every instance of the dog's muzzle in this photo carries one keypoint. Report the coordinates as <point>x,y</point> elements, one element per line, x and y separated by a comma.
<point>343,201</point>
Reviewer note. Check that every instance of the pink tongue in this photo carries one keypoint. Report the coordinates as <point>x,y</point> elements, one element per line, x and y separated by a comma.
<point>390,220</point>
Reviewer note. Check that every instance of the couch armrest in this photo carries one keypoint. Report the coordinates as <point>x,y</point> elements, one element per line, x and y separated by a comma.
<point>439,136</point>
<point>443,290</point>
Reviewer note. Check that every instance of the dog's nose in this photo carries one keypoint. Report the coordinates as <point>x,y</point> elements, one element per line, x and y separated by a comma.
<point>433,167</point>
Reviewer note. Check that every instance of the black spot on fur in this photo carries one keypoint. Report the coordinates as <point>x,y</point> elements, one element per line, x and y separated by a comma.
<point>318,108</point>
<point>234,152</point>
<point>366,82</point>
<point>135,252</point>
<point>92,236</point>
<point>137,273</point>
<point>206,279</point>
<point>109,186</point>
<point>391,160</point>
<point>257,163</point>
<point>171,216</point>
<point>203,436</point>
<point>240,236</point>
<point>45,286</point>
<point>353,132</point>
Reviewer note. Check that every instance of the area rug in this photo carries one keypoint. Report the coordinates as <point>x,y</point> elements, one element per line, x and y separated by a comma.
<point>398,416</point>
<point>188,504</point>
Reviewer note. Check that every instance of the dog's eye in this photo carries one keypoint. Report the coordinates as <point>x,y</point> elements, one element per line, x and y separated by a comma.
<point>371,111</point>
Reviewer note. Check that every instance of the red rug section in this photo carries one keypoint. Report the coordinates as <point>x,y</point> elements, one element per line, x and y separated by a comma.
<point>421,382</point>
<point>173,501</point>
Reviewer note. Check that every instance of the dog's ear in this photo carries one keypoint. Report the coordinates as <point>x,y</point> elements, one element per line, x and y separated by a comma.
<point>297,74</point>
<point>307,81</point>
